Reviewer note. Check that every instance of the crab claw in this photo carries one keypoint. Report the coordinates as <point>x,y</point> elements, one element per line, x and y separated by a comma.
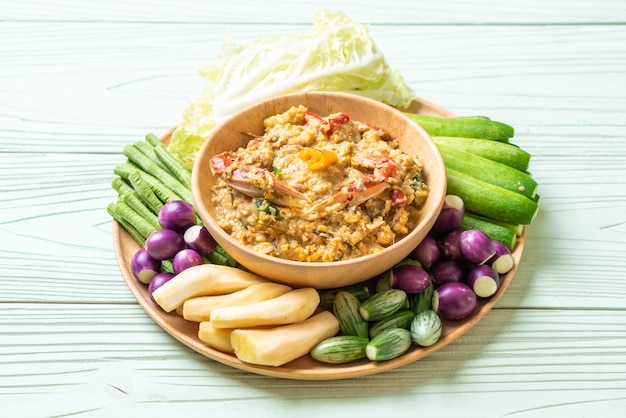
<point>220,162</point>
<point>353,194</point>
<point>259,182</point>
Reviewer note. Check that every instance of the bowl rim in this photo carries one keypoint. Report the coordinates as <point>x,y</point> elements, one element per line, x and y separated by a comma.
<point>439,194</point>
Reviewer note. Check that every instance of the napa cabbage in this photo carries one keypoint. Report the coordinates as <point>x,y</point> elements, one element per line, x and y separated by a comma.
<point>338,55</point>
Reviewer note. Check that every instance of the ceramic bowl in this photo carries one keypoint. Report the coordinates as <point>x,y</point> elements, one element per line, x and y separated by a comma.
<point>231,134</point>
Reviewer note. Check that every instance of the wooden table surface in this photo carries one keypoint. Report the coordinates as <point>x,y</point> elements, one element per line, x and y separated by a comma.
<point>81,79</point>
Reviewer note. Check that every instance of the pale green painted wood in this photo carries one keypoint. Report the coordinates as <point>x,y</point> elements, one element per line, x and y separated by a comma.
<point>79,80</point>
<point>515,362</point>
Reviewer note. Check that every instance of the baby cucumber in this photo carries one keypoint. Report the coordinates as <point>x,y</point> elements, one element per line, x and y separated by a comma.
<point>346,309</point>
<point>426,328</point>
<point>340,349</point>
<point>389,344</point>
<point>382,304</point>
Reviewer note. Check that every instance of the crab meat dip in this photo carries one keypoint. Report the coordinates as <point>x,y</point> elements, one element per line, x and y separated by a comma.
<point>318,188</point>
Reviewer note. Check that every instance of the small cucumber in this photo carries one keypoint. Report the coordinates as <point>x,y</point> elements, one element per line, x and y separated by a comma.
<point>421,301</point>
<point>340,349</point>
<point>399,319</point>
<point>346,308</point>
<point>488,171</point>
<point>381,305</point>
<point>502,152</point>
<point>426,328</point>
<point>327,297</point>
<point>464,126</point>
<point>491,201</point>
<point>389,344</point>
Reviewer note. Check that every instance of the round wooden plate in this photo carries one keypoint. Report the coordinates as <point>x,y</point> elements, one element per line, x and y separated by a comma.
<point>304,368</point>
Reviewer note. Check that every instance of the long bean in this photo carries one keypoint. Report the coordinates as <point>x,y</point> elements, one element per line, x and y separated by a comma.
<point>150,167</point>
<point>136,235</point>
<point>135,203</point>
<point>161,190</point>
<point>121,211</point>
<point>182,174</point>
<point>147,149</point>
<point>145,192</point>
<point>120,186</point>
<point>177,166</point>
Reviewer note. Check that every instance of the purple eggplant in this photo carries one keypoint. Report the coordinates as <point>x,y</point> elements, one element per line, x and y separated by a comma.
<point>164,244</point>
<point>158,281</point>
<point>502,261</point>
<point>427,252</point>
<point>198,238</point>
<point>177,215</point>
<point>449,271</point>
<point>144,267</point>
<point>451,214</point>
<point>186,258</point>
<point>451,245</point>
<point>410,278</point>
<point>484,280</point>
<point>454,300</point>
<point>475,246</point>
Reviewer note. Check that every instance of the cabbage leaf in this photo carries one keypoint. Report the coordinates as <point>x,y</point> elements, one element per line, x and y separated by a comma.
<point>339,55</point>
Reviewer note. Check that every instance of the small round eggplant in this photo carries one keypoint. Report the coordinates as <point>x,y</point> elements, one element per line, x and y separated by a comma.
<point>158,281</point>
<point>451,245</point>
<point>476,247</point>
<point>502,261</point>
<point>454,301</point>
<point>449,271</point>
<point>451,214</point>
<point>144,266</point>
<point>177,215</point>
<point>483,280</point>
<point>427,252</point>
<point>426,328</point>
<point>410,278</point>
<point>164,244</point>
<point>186,258</point>
<point>198,238</point>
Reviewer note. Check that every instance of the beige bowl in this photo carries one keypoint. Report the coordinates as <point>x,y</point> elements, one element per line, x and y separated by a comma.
<point>412,139</point>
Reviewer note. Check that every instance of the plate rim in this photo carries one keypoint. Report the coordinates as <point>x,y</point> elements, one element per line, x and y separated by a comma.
<point>123,243</point>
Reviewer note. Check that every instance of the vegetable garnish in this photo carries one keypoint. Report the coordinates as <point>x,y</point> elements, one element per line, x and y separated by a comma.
<point>338,55</point>
<point>262,205</point>
<point>318,159</point>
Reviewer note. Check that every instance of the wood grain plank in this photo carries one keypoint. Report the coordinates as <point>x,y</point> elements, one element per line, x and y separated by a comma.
<point>560,84</point>
<point>55,232</point>
<point>119,360</point>
<point>395,11</point>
